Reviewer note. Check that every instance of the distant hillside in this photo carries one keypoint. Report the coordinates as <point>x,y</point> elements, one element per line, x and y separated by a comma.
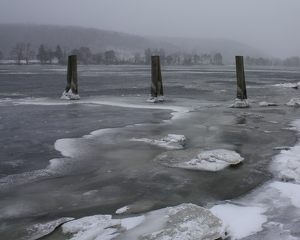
<point>70,37</point>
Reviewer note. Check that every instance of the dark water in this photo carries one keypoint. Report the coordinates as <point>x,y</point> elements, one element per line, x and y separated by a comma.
<point>106,171</point>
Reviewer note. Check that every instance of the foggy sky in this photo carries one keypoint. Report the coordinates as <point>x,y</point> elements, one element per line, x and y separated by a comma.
<point>269,25</point>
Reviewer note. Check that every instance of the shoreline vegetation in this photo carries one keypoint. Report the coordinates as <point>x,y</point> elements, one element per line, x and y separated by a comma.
<point>50,44</point>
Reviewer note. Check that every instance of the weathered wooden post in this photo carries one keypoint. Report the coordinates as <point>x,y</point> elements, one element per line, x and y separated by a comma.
<point>241,94</point>
<point>71,91</point>
<point>69,74</point>
<point>74,74</point>
<point>156,91</point>
<point>240,76</point>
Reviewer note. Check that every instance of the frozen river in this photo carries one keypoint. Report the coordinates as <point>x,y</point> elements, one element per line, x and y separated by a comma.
<point>70,159</point>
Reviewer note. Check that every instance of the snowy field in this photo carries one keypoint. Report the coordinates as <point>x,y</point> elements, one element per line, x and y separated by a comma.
<point>113,166</point>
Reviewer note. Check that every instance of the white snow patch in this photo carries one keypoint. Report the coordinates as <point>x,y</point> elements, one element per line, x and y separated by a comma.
<point>288,190</point>
<point>66,146</point>
<point>240,221</point>
<point>294,102</point>
<point>172,141</point>
<point>286,165</point>
<point>132,222</point>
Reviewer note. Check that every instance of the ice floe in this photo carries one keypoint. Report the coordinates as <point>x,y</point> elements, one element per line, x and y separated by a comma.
<point>267,104</point>
<point>171,141</point>
<point>288,85</point>
<point>281,148</point>
<point>122,210</point>
<point>186,221</point>
<point>199,159</point>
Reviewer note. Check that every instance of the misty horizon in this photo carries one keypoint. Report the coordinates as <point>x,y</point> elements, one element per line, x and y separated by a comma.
<point>270,26</point>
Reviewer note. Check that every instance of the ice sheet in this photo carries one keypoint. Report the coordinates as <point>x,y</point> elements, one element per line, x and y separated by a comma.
<point>267,104</point>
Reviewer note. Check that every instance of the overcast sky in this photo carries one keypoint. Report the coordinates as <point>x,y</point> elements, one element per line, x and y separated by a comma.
<point>269,25</point>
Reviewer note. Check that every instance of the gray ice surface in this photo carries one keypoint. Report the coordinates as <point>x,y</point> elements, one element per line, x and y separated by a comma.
<point>98,169</point>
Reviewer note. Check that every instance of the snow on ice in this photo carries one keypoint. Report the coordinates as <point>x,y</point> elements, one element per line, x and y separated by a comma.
<point>240,103</point>
<point>69,95</point>
<point>240,221</point>
<point>186,221</point>
<point>257,215</point>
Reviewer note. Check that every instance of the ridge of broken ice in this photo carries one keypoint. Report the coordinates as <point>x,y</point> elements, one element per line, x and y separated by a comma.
<point>42,229</point>
<point>199,159</point>
<point>240,103</point>
<point>69,95</point>
<point>294,102</point>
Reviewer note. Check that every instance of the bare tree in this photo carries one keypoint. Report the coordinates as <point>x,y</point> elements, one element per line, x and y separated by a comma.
<point>18,52</point>
<point>27,53</point>
<point>137,58</point>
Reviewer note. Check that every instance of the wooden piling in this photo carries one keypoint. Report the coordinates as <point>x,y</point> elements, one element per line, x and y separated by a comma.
<point>72,79</point>
<point>69,74</point>
<point>74,74</point>
<point>240,76</point>
<point>241,94</point>
<point>156,78</point>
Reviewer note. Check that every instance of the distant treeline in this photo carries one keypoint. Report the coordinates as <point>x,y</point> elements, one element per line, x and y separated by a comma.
<point>289,62</point>
<point>22,52</point>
